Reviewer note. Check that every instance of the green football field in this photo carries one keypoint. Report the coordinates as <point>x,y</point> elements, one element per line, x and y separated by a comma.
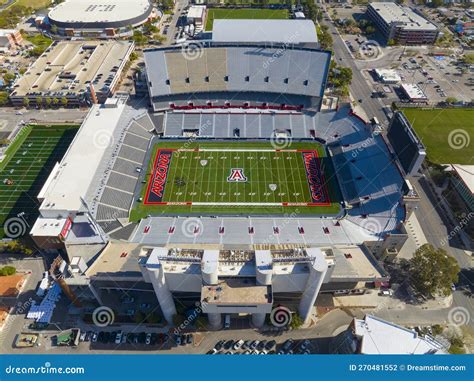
<point>255,13</point>
<point>238,178</point>
<point>26,168</point>
<point>448,134</point>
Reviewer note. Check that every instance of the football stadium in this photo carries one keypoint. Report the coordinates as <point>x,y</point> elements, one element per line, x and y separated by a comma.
<point>241,188</point>
<point>251,178</point>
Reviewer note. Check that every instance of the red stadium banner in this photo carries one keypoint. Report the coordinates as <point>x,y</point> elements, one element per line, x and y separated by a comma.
<point>156,185</point>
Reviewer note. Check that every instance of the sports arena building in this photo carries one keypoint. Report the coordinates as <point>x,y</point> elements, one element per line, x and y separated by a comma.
<point>105,19</point>
<point>242,264</point>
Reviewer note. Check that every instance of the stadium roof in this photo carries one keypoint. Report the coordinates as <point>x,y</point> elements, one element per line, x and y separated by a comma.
<point>285,31</point>
<point>237,67</point>
<point>69,183</point>
<point>382,337</point>
<point>93,11</point>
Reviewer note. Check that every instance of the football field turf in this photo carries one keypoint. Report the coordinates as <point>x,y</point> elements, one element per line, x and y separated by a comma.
<point>239,178</point>
<point>25,171</point>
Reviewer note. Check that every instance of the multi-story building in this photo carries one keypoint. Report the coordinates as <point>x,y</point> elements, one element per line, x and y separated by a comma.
<point>402,24</point>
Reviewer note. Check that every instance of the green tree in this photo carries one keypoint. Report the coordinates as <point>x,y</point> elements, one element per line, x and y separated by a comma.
<point>55,101</point>
<point>48,101</point>
<point>133,56</point>
<point>391,42</point>
<point>64,101</point>
<point>26,102</point>
<point>296,321</point>
<point>370,29</point>
<point>7,270</point>
<point>433,271</point>
<point>451,100</point>
<point>3,98</point>
<point>54,29</point>
<point>39,101</point>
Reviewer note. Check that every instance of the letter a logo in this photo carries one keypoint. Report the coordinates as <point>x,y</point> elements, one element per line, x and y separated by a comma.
<point>237,175</point>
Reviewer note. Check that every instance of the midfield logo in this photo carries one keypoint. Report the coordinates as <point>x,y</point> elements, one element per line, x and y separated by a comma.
<point>237,176</point>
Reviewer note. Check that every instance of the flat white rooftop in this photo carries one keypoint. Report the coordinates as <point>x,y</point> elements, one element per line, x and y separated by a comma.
<point>69,182</point>
<point>413,91</point>
<point>90,11</point>
<point>395,13</point>
<point>382,337</point>
<point>278,31</point>
<point>196,12</point>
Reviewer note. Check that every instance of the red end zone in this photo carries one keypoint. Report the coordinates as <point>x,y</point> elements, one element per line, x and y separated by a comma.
<point>156,186</point>
<point>316,181</point>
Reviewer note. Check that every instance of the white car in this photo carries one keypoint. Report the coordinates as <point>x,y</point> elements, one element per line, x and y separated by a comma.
<point>148,338</point>
<point>118,338</point>
<point>94,337</point>
<point>238,345</point>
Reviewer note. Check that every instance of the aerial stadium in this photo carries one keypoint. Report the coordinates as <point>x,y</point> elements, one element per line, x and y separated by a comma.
<point>241,189</point>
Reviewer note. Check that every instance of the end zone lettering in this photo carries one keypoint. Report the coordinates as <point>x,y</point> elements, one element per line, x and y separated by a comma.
<point>314,176</point>
<point>156,187</point>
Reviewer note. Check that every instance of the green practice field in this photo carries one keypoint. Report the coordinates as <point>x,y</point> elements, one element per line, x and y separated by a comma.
<point>236,178</point>
<point>215,13</point>
<point>448,134</point>
<point>26,168</point>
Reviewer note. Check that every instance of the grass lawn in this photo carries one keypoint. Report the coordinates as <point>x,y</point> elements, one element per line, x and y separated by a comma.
<point>28,165</point>
<point>197,181</point>
<point>448,134</point>
<point>35,4</point>
<point>214,13</point>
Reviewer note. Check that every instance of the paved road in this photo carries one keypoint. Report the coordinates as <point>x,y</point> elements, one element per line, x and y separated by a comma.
<point>434,226</point>
<point>9,118</point>
<point>7,4</point>
<point>359,87</point>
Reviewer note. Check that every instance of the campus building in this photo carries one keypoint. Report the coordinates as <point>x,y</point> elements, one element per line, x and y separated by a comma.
<point>402,24</point>
<point>463,181</point>
<point>82,72</point>
<point>107,19</point>
<point>9,38</point>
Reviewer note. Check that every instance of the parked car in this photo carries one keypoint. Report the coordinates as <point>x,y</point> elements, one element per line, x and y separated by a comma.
<point>118,337</point>
<point>238,345</point>
<point>94,337</point>
<point>219,345</point>
<point>148,338</point>
<point>270,345</point>
<point>229,344</point>
<point>287,345</point>
<point>189,339</point>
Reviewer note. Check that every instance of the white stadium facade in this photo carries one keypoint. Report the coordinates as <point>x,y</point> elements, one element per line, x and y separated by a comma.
<point>104,18</point>
<point>241,266</point>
